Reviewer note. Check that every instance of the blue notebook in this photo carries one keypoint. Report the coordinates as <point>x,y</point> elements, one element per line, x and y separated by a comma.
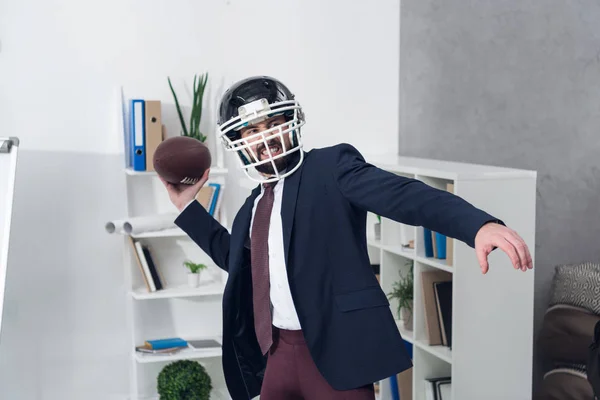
<point>166,343</point>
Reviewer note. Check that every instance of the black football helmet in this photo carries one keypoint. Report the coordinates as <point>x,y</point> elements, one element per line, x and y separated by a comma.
<point>251,101</point>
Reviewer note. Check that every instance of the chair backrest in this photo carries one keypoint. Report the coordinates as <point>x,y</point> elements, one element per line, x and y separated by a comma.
<point>593,366</point>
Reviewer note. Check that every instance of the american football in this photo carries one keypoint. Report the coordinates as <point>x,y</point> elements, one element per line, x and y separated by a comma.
<point>181,159</point>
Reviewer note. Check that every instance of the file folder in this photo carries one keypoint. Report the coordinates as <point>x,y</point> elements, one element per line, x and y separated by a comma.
<point>153,135</point>
<point>137,132</point>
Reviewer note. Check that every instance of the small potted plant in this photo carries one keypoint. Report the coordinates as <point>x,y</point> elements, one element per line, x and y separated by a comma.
<point>402,290</point>
<point>184,379</point>
<point>194,274</point>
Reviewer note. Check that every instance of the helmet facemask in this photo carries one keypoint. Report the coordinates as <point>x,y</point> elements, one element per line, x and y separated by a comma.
<point>255,150</point>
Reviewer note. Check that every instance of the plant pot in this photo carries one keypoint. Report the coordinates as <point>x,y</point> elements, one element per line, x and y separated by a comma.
<point>193,280</point>
<point>406,315</point>
<point>377,230</point>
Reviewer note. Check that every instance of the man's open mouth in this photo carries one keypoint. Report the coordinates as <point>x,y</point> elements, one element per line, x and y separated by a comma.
<point>275,149</point>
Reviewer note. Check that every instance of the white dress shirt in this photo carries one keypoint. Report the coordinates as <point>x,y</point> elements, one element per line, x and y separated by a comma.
<point>284,311</point>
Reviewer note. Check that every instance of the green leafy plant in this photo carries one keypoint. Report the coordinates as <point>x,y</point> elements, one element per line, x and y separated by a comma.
<point>196,113</point>
<point>193,267</point>
<point>184,379</point>
<point>403,290</point>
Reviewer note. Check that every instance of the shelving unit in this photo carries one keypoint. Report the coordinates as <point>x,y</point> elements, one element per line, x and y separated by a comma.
<point>177,310</point>
<point>492,314</point>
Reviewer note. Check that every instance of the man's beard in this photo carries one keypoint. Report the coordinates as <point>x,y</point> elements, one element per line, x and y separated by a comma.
<point>281,164</point>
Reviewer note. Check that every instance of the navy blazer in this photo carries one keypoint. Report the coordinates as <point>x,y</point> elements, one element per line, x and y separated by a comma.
<point>345,315</point>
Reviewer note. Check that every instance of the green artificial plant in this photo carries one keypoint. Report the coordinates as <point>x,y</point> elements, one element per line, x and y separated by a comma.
<point>403,290</point>
<point>184,379</point>
<point>193,267</point>
<point>196,113</point>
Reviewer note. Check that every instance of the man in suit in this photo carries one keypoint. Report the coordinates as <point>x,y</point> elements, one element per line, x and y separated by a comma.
<point>303,314</point>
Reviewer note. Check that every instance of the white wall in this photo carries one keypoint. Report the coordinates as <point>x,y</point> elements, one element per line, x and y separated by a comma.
<point>62,59</point>
<point>61,63</point>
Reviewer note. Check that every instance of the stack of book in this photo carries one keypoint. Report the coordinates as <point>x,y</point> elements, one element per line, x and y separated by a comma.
<point>163,346</point>
<point>175,344</point>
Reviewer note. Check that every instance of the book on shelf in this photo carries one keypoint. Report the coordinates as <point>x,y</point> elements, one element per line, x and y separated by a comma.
<point>166,343</point>
<point>435,244</point>
<point>198,344</point>
<point>151,275</point>
<point>438,388</point>
<point>210,197</point>
<point>437,305</point>
<point>165,351</point>
<point>162,346</point>
<point>443,300</point>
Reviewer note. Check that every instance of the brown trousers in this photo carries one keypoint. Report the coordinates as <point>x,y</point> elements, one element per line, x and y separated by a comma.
<point>292,375</point>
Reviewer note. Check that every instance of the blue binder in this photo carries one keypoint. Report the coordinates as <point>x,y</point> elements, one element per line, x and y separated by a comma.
<point>138,135</point>
<point>215,198</point>
<point>428,242</point>
<point>395,392</point>
<point>440,243</point>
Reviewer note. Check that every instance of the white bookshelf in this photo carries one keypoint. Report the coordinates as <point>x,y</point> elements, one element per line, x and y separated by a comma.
<point>492,314</point>
<point>177,310</point>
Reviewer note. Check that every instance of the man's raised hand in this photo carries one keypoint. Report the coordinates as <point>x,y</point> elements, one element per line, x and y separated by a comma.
<point>181,195</point>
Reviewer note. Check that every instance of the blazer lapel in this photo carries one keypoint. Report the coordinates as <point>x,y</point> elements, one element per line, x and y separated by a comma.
<point>288,207</point>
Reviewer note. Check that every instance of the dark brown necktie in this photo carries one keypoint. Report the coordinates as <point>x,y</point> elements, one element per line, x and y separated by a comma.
<point>260,269</point>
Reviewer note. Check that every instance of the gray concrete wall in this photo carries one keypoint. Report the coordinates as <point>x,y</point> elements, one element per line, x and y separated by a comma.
<point>516,84</point>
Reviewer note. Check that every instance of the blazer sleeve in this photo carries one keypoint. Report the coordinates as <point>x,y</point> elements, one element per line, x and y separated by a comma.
<point>406,200</point>
<point>206,232</point>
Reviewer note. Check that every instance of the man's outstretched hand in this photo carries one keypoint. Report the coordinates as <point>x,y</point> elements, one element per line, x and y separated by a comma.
<point>493,235</point>
<point>181,195</point>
